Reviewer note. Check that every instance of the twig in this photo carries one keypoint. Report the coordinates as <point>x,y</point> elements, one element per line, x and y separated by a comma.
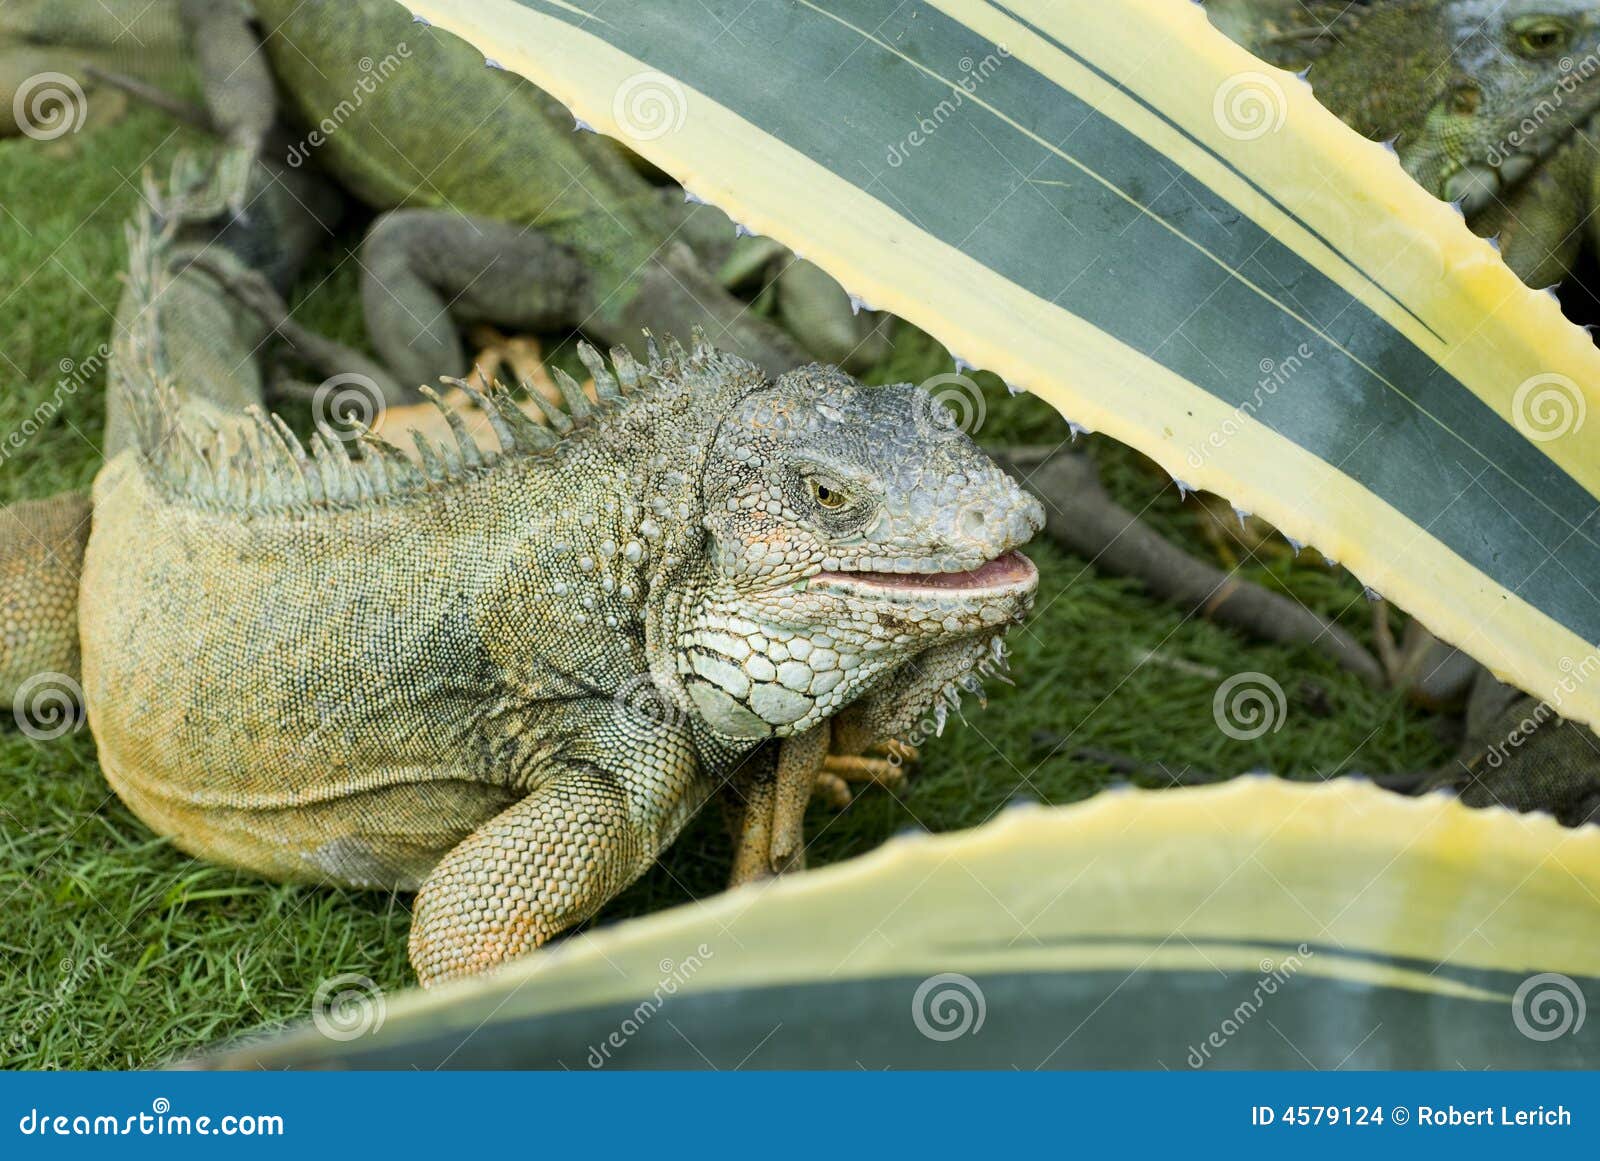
<point>175,107</point>
<point>1081,516</point>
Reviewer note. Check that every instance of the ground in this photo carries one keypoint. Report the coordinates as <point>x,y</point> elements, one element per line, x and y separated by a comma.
<point>118,951</point>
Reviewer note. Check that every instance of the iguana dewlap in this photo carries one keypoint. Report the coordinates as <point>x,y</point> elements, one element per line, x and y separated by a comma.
<point>508,678</point>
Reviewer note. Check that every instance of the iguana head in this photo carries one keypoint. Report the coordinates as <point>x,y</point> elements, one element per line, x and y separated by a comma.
<point>1521,78</point>
<point>1478,92</point>
<point>849,529</point>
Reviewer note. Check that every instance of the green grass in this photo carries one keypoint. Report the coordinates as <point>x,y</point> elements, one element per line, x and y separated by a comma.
<point>118,951</point>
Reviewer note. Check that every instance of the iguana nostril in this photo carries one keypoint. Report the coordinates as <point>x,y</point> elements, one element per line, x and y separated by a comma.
<point>973,522</point>
<point>1033,516</point>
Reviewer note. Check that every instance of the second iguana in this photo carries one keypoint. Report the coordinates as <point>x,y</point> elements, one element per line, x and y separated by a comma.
<point>493,207</point>
<point>507,678</point>
<point>1492,104</point>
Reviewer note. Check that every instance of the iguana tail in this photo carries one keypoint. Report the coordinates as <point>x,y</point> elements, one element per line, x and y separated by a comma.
<point>41,556</point>
<point>175,323</point>
<point>42,541</point>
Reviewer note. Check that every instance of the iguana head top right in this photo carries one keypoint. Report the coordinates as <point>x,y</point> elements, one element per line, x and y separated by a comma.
<point>1477,91</point>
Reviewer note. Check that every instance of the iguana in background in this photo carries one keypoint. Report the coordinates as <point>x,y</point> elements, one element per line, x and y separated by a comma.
<point>508,677</point>
<point>207,344</point>
<point>1490,103</point>
<point>495,209</point>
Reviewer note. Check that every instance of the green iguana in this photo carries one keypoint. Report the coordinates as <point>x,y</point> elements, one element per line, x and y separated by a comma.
<point>494,208</point>
<point>508,677</point>
<point>1493,104</point>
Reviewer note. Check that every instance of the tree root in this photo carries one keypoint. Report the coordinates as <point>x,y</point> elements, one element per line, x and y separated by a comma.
<point>1083,518</point>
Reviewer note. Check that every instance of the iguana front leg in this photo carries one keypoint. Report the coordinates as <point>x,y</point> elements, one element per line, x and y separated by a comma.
<point>428,272</point>
<point>1540,223</point>
<point>766,802</point>
<point>237,86</point>
<point>749,802</point>
<point>251,290</point>
<point>913,702</point>
<point>554,858</point>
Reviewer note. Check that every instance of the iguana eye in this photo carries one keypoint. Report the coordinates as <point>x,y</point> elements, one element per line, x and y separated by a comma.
<point>1541,36</point>
<point>827,495</point>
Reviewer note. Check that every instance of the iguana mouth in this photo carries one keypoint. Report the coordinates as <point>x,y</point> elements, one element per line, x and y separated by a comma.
<point>1006,573</point>
<point>1477,182</point>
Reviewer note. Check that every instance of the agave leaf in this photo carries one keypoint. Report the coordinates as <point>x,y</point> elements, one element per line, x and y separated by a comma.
<point>1371,930</point>
<point>1171,241</point>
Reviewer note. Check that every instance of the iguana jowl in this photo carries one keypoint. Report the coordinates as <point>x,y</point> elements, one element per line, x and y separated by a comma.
<point>352,669</point>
